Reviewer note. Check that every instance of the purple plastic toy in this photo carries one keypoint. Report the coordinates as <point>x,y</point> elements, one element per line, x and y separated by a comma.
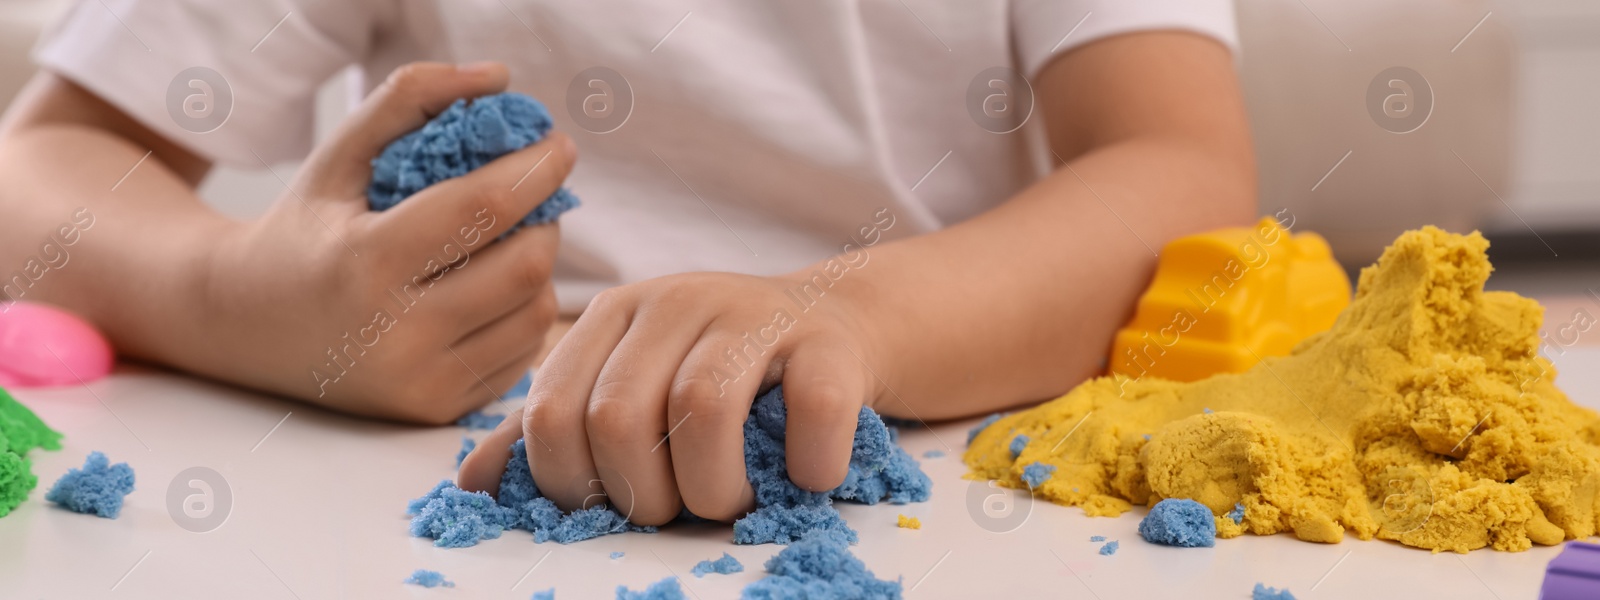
<point>1574,574</point>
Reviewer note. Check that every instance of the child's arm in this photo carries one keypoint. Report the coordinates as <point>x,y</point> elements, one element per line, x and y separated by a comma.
<point>1014,306</point>
<point>263,303</point>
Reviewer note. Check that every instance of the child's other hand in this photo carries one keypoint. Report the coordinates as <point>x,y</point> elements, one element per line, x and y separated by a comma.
<point>415,313</point>
<point>643,403</point>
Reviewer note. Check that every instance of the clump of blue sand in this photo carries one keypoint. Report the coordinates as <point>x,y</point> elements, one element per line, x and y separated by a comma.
<point>1262,592</point>
<point>722,566</point>
<point>1237,514</point>
<point>666,589</point>
<point>96,489</point>
<point>819,565</point>
<point>972,434</point>
<point>879,471</point>
<point>1037,473</point>
<point>549,594</point>
<point>1179,522</point>
<point>467,135</point>
<point>1110,548</point>
<point>456,518</point>
<point>1019,443</point>
<point>429,579</point>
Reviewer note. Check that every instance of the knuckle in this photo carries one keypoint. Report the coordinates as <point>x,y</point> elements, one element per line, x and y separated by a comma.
<point>543,415</point>
<point>534,270</point>
<point>498,201</point>
<point>608,300</point>
<point>608,416</point>
<point>407,81</point>
<point>698,395</point>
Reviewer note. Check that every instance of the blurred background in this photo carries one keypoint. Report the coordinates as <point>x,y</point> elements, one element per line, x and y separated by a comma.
<point>1370,117</point>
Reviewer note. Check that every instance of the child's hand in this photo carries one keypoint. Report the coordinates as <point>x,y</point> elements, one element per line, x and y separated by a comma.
<point>643,403</point>
<point>415,313</point>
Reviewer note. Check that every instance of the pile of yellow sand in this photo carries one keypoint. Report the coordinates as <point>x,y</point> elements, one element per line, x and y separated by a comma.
<point>1425,416</point>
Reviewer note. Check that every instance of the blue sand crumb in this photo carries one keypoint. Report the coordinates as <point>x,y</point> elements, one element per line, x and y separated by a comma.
<point>462,138</point>
<point>1097,538</point>
<point>616,555</point>
<point>1237,514</point>
<point>467,444</point>
<point>819,565</point>
<point>1109,549</point>
<point>1147,437</point>
<point>1262,592</point>
<point>96,489</point>
<point>429,579</point>
<point>972,434</point>
<point>722,566</point>
<point>1037,473</point>
<point>1179,522</point>
<point>1018,443</point>
<point>480,420</point>
<point>520,390</point>
<point>878,471</point>
<point>456,518</point>
<point>666,589</point>
<point>549,594</point>
<point>933,454</point>
<point>1207,411</point>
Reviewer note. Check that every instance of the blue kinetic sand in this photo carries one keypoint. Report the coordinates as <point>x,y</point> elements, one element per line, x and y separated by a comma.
<point>429,579</point>
<point>819,565</point>
<point>456,518</point>
<point>1179,522</point>
<point>1037,473</point>
<point>972,434</point>
<point>933,454</point>
<point>467,444</point>
<point>878,471</point>
<point>1110,548</point>
<point>1019,443</point>
<point>96,489</point>
<point>480,420</point>
<point>1097,538</point>
<point>1262,592</point>
<point>549,594</point>
<point>1237,514</point>
<point>462,138</point>
<point>722,566</point>
<point>666,589</point>
<point>617,555</point>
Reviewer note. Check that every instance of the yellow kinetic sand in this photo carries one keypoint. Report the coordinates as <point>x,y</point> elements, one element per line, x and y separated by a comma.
<point>1425,416</point>
<point>1222,300</point>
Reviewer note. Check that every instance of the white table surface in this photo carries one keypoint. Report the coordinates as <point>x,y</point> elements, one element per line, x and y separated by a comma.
<point>317,505</point>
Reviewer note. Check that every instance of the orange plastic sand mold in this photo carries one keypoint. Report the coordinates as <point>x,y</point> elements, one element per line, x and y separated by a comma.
<point>1221,301</point>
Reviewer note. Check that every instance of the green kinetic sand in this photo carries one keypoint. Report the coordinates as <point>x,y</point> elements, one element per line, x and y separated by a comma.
<point>20,431</point>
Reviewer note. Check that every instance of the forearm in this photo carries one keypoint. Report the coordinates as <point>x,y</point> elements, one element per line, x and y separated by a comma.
<point>1021,303</point>
<point>122,246</point>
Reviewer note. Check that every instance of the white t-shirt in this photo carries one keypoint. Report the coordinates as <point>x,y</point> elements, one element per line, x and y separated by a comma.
<point>752,137</point>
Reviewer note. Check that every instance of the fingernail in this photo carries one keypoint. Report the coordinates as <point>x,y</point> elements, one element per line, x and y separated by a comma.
<point>476,68</point>
<point>569,146</point>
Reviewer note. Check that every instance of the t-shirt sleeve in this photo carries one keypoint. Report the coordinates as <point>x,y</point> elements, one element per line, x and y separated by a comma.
<point>1046,28</point>
<point>229,80</point>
